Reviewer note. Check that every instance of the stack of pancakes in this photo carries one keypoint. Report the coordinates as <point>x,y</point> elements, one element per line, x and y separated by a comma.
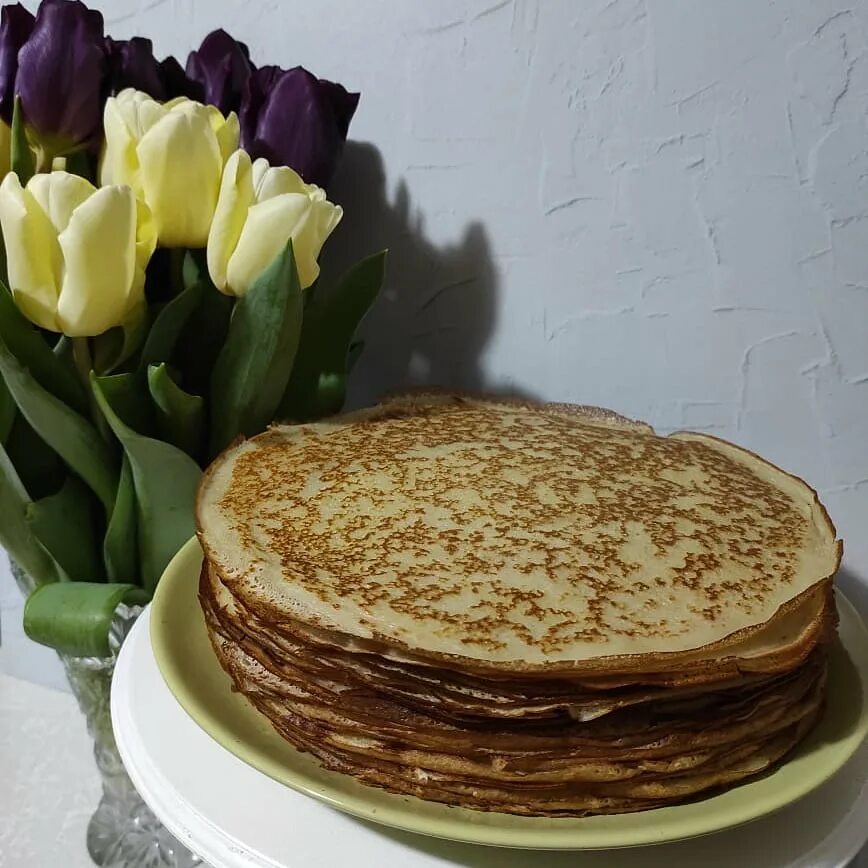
<point>536,609</point>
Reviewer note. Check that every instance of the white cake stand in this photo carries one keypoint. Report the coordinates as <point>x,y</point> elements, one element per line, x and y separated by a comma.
<point>235,817</point>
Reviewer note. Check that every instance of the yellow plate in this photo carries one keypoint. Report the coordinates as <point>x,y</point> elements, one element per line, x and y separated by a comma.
<point>194,676</point>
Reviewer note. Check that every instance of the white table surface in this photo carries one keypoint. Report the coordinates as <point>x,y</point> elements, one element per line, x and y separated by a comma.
<point>48,781</point>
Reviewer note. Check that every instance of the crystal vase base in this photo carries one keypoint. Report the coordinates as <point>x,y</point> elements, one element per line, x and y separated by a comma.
<point>123,832</point>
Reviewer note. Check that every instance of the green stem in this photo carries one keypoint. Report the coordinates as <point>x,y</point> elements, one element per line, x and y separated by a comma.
<point>82,358</point>
<point>81,355</point>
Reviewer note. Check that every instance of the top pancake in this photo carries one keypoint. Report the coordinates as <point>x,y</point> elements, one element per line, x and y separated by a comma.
<point>514,537</point>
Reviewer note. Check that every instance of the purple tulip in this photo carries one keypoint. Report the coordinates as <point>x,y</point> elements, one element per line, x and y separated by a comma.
<point>62,75</point>
<point>294,119</point>
<point>176,82</point>
<point>132,64</point>
<point>16,25</point>
<point>221,67</point>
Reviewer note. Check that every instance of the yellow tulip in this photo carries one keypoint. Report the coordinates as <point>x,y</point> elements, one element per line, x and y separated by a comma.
<point>76,254</point>
<point>172,155</point>
<point>259,209</point>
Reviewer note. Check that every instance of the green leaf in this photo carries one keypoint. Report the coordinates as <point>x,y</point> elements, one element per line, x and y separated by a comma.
<point>354,353</point>
<point>180,416</point>
<point>8,412</point>
<point>165,481</point>
<point>120,548</point>
<point>75,617</point>
<point>64,524</point>
<point>194,269</point>
<point>318,384</point>
<point>54,371</point>
<point>16,534</point>
<point>112,348</point>
<point>21,155</point>
<point>68,433</point>
<point>39,467</point>
<point>128,397</point>
<point>201,340</point>
<point>168,326</point>
<point>254,365</point>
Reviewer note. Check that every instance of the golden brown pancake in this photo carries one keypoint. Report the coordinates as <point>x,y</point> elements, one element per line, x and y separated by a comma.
<point>540,609</point>
<point>514,537</point>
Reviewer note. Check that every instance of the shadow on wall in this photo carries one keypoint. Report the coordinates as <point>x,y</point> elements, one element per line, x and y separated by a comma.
<point>439,304</point>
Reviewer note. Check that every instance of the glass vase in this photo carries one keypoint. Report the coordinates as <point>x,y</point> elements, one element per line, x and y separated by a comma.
<point>123,832</point>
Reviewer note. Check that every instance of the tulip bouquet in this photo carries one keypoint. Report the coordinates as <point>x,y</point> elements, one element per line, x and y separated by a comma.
<point>160,295</point>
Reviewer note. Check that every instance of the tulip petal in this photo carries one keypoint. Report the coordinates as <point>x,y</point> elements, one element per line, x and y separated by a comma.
<point>146,243</point>
<point>294,119</point>
<point>181,165</point>
<point>132,64</point>
<point>119,163</point>
<point>35,264</point>
<point>268,227</point>
<point>99,249</point>
<point>139,111</point>
<point>126,118</point>
<point>226,129</point>
<point>260,169</point>
<point>176,82</point>
<point>16,25</point>
<point>221,66</point>
<point>61,74</point>
<point>59,194</point>
<point>323,218</point>
<point>146,236</point>
<point>277,180</point>
<point>236,196</point>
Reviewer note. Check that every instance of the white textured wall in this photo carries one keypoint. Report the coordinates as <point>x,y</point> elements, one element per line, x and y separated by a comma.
<point>660,206</point>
